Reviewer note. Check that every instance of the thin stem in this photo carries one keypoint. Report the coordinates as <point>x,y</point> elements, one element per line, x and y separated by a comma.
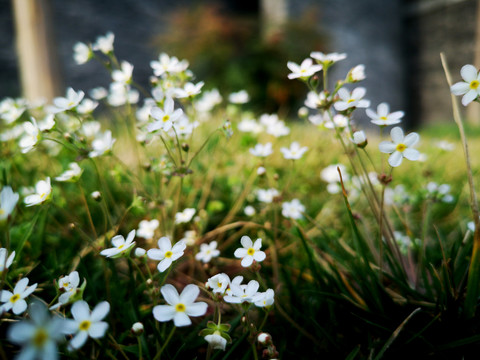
<point>157,357</point>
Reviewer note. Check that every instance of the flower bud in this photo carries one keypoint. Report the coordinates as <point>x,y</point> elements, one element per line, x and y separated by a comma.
<point>360,139</point>
<point>264,338</point>
<point>356,74</point>
<point>303,112</point>
<point>139,252</point>
<point>96,195</point>
<point>137,329</point>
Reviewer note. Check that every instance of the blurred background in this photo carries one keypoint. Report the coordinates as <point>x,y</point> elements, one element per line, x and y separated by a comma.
<point>234,45</point>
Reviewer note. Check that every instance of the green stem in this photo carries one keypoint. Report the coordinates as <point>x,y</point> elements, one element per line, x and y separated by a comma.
<point>254,351</point>
<point>159,354</point>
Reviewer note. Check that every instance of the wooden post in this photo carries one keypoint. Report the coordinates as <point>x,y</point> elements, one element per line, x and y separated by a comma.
<point>473,110</point>
<point>37,56</point>
<point>274,14</point>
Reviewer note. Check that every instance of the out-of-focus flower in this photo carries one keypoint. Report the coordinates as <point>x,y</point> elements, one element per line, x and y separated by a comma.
<point>121,246</point>
<point>262,150</point>
<point>207,252</point>
<point>267,195</point>
<point>185,216</point>
<point>15,300</point>
<point>72,174</point>
<point>383,117</point>
<point>295,152</point>
<point>327,60</point>
<point>104,43</point>
<point>43,191</point>
<point>165,253</point>
<point>351,100</point>
<point>146,229</point>
<point>304,70</point>
<point>31,137</point>
<point>167,64</point>
<point>69,102</point>
<point>400,147</point>
<point>124,74</point>
<point>189,237</point>
<point>81,53</point>
<point>293,209</point>
<point>356,74</point>
<point>8,201</point>
<point>249,210</point>
<point>360,138</point>
<point>189,90</point>
<point>239,97</point>
<point>102,144</point>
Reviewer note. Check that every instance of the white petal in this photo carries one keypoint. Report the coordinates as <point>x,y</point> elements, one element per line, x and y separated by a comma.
<point>20,286</point>
<point>118,240</point>
<point>387,147</point>
<point>170,294</point>
<point>164,244</point>
<point>163,312</point>
<point>20,332</point>
<point>247,261</point>
<point>27,353</point>
<point>157,113</point>
<point>252,287</point>
<point>50,351</point>
<point>189,294</point>
<point>79,339</point>
<point>80,310</point>
<point>164,264</point>
<point>258,244</point>
<point>130,237</point>
<point>259,256</point>
<point>469,73</point>
<point>411,139</point>
<point>411,154</point>
<point>29,290</point>
<point>156,254</point>
<point>469,97</point>
<point>383,109</point>
<point>395,159</point>
<point>98,329</point>
<point>197,309</point>
<point>460,88</point>
<point>246,242</point>
<point>240,253</point>
<point>110,252</point>
<point>19,307</point>
<point>397,135</point>
<point>100,311</point>
<point>371,114</point>
<point>179,247</point>
<point>181,319</point>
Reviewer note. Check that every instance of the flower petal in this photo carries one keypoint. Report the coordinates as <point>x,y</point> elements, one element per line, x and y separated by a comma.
<point>181,319</point>
<point>469,97</point>
<point>98,329</point>
<point>19,307</point>
<point>397,134</point>
<point>164,244</point>
<point>80,310</point>
<point>170,294</point>
<point>20,332</point>
<point>246,242</point>
<point>189,294</point>
<point>100,311</point>
<point>78,340</point>
<point>460,88</point>
<point>164,312</point>
<point>164,264</point>
<point>259,256</point>
<point>395,159</point>
<point>258,244</point>
<point>247,261</point>
<point>20,286</point>
<point>197,309</point>
<point>240,253</point>
<point>468,72</point>
<point>411,139</point>
<point>118,240</point>
<point>411,154</point>
<point>387,147</point>
<point>156,254</point>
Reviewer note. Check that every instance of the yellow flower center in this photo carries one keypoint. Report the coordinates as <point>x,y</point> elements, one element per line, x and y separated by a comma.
<point>401,147</point>
<point>168,254</point>
<point>251,251</point>
<point>350,101</point>
<point>2,211</point>
<point>166,118</point>
<point>219,285</point>
<point>40,338</point>
<point>85,325</point>
<point>15,298</point>
<point>121,246</point>
<point>384,118</point>
<point>474,84</point>
<point>180,307</point>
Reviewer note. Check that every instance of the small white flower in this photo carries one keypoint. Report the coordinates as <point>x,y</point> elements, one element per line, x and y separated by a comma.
<point>400,147</point>
<point>180,307</point>
<point>351,100</point>
<point>208,101</point>
<point>383,117</point>
<point>139,252</point>
<point>87,324</point>
<point>189,237</point>
<point>278,129</point>
<point>124,74</point>
<point>81,53</point>
<point>314,100</point>
<point>356,74</point>
<point>293,209</point>
<point>47,123</point>
<point>68,286</point>
<point>250,251</point>
<point>87,106</point>
<point>445,145</point>
<point>239,97</point>
<point>90,128</point>
<point>249,210</point>
<point>439,192</point>
<point>267,195</point>
<point>104,43</point>
<point>469,87</point>
<point>120,94</point>
<point>249,125</point>
<point>360,138</point>
<point>339,121</point>
<point>218,283</point>
<point>120,245</point>
<point>167,64</point>
<point>184,216</point>
<point>69,102</point>
<point>5,261</point>
<point>164,117</point>
<point>328,59</point>
<point>207,252</point>
<point>146,229</point>
<point>102,144</point>
<point>43,190</point>
<point>216,341</point>
<point>304,70</point>
<point>72,174</point>
<point>31,137</point>
<point>15,300</point>
<point>39,335</point>
<point>330,173</point>
<point>264,299</point>
<point>189,90</point>
<point>295,152</point>
<point>239,293</point>
<point>262,150</point>
<point>8,201</point>
<point>261,170</point>
<point>165,253</point>
<point>99,93</point>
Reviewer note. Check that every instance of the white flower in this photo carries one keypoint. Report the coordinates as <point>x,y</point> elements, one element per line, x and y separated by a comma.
<point>4,261</point>
<point>43,190</point>
<point>87,106</point>
<point>166,253</point>
<point>314,100</point>
<point>184,216</point>
<point>249,125</point>
<point>293,209</point>
<point>262,150</point>
<point>72,174</point>
<point>398,195</point>
<point>165,117</point>
<point>39,335</point>
<point>239,97</point>
<point>439,192</point>
<point>207,252</point>
<point>120,245</point>
<point>295,152</point>
<point>179,307</point>
<point>120,94</point>
<point>328,59</point>
<point>81,53</point>
<point>102,144</point>
<point>146,229</point>
<point>470,87</point>
<point>278,129</point>
<point>98,93</point>
<point>189,237</point>
<point>351,100</point>
<point>330,173</point>
<point>167,64</point>
<point>267,195</point>
<point>356,74</point>
<point>47,123</point>
<point>339,121</point>
<point>104,43</point>
<point>360,138</point>
<point>90,128</point>
<point>250,251</point>
<point>208,101</point>
<point>216,341</point>
<point>261,170</point>
<point>400,147</point>
<point>67,285</point>
<point>8,201</point>
<point>304,70</point>
<point>264,299</point>
<point>249,210</point>
<point>87,324</point>
<point>383,117</point>
<point>218,283</point>
<point>189,90</point>
<point>69,102</point>
<point>139,252</point>
<point>31,137</point>
<point>124,74</point>
<point>15,300</point>
<point>445,145</point>
<point>239,293</point>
